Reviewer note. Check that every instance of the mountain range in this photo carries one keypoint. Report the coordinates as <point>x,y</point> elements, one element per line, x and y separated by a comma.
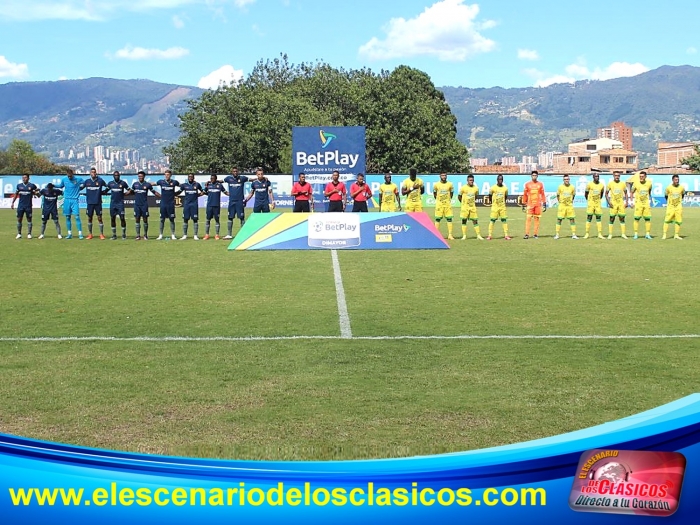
<point>660,105</point>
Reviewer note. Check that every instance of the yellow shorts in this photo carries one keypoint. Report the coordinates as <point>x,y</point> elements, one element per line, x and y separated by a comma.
<point>389,208</point>
<point>566,212</point>
<point>413,206</point>
<point>674,214</point>
<point>468,214</point>
<point>618,209</point>
<point>443,211</point>
<point>499,212</point>
<point>643,210</point>
<point>594,209</point>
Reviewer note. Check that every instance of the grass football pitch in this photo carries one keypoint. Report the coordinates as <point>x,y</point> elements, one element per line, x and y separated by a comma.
<point>378,394</point>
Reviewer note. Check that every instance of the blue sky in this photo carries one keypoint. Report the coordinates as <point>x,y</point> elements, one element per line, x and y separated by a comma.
<point>504,43</point>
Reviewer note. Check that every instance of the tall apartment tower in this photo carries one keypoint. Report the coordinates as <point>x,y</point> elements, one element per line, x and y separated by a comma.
<point>617,131</point>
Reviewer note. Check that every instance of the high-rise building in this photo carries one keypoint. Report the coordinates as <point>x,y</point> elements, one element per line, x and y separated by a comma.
<point>617,131</point>
<point>99,153</point>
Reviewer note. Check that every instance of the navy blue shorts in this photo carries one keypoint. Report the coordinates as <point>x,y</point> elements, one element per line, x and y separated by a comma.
<point>167,211</point>
<point>141,211</point>
<point>52,214</point>
<point>191,212</point>
<point>22,212</point>
<point>261,208</point>
<point>213,212</point>
<point>94,209</point>
<point>115,211</point>
<point>236,210</point>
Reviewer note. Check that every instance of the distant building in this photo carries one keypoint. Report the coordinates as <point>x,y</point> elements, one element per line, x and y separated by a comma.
<point>496,168</point>
<point>508,161</point>
<point>617,131</point>
<point>671,154</point>
<point>602,154</point>
<point>478,161</point>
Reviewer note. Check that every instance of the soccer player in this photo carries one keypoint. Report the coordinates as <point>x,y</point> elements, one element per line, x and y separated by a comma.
<point>140,189</point>
<point>303,195</point>
<point>262,189</point>
<point>594,196</point>
<point>213,190</point>
<point>674,207</point>
<point>616,195</point>
<point>443,192</point>
<point>498,193</point>
<point>71,186</point>
<point>118,188</point>
<point>534,203</point>
<point>467,196</point>
<point>236,206</point>
<point>336,192</point>
<point>192,190</point>
<point>565,197</point>
<point>49,208</point>
<point>360,192</point>
<point>93,196</point>
<point>167,196</point>
<point>413,189</point>
<point>25,192</point>
<point>389,200</point>
<point>641,190</point>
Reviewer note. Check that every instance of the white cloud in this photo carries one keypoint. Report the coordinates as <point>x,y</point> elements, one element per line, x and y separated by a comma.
<point>178,22</point>
<point>62,78</point>
<point>11,70</point>
<point>691,50</point>
<point>224,76</point>
<point>528,54</point>
<point>243,3</point>
<point>142,53</point>
<point>447,30</point>
<point>580,71</point>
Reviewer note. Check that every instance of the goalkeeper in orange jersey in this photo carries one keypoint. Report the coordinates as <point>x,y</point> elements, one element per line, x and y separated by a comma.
<point>534,203</point>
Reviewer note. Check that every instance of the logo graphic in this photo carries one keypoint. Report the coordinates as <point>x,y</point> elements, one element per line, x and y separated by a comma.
<point>326,138</point>
<point>334,230</point>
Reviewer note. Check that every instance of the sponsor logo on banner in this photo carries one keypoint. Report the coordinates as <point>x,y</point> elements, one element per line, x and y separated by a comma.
<point>628,482</point>
<point>326,138</point>
<point>384,237</point>
<point>334,230</point>
<point>318,152</point>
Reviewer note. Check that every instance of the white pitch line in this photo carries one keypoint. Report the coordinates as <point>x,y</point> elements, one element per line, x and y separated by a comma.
<point>343,316</point>
<point>186,339</point>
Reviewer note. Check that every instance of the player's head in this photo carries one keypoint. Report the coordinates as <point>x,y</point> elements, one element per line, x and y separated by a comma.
<point>360,179</point>
<point>412,173</point>
<point>335,176</point>
<point>387,177</point>
<point>260,174</point>
<point>116,176</point>
<point>302,178</point>
<point>49,186</point>
<point>443,177</point>
<point>596,177</point>
<point>470,180</point>
<point>642,176</point>
<point>234,171</point>
<point>168,174</point>
<point>567,180</point>
<point>141,175</point>
<point>616,176</point>
<point>93,173</point>
<point>190,178</point>
<point>676,180</point>
<point>70,173</point>
<point>212,177</point>
<point>25,178</point>
<point>499,180</point>
<point>534,174</point>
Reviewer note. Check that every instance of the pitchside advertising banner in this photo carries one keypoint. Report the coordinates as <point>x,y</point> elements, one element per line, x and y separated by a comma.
<point>627,471</point>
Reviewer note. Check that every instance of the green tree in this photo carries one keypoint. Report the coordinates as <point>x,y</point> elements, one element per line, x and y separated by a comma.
<point>693,161</point>
<point>20,157</point>
<point>408,122</point>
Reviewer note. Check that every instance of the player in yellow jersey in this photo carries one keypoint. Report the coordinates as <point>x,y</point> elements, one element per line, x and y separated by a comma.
<point>467,196</point>
<point>498,194</point>
<point>413,189</point>
<point>443,192</point>
<point>641,191</point>
<point>616,195</point>
<point>565,197</point>
<point>674,207</point>
<point>389,199</point>
<point>594,196</point>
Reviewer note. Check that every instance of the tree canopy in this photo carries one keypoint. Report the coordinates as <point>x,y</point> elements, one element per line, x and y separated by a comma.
<point>20,158</point>
<point>693,161</point>
<point>408,123</point>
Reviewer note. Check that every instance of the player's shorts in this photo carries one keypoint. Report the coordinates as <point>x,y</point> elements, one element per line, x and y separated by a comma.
<point>71,207</point>
<point>359,207</point>
<point>642,211</point>
<point>674,214</point>
<point>190,212</point>
<point>618,210</point>
<point>443,211</point>
<point>213,212</point>
<point>468,213</point>
<point>141,211</point>
<point>335,206</point>
<point>94,209</point>
<point>236,209</point>
<point>261,208</point>
<point>413,206</point>
<point>389,207</point>
<point>24,212</point>
<point>594,209</point>
<point>116,211</point>
<point>499,212</point>
<point>566,212</point>
<point>302,206</point>
<point>51,214</point>
<point>167,211</point>
<point>535,211</point>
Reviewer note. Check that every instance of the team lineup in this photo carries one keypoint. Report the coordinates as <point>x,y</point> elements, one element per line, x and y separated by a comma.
<point>634,193</point>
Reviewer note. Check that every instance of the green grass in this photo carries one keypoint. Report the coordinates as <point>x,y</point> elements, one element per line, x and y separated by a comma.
<point>321,399</point>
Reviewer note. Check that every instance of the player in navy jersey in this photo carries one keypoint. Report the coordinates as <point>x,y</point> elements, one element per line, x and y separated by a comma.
<point>140,189</point>
<point>25,192</point>
<point>262,189</point>
<point>192,190</point>
<point>49,208</point>
<point>94,187</point>
<point>213,190</point>
<point>167,196</point>
<point>236,204</point>
<point>118,188</point>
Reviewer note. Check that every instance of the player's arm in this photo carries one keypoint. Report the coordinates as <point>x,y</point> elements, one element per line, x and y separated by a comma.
<point>356,193</point>
<point>250,195</point>
<point>588,191</point>
<point>328,192</point>
<point>405,189</point>
<point>14,198</point>
<point>607,197</point>
<point>295,191</point>
<point>271,196</point>
<point>422,189</point>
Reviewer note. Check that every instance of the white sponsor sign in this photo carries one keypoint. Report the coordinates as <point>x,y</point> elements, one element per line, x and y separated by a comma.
<point>334,230</point>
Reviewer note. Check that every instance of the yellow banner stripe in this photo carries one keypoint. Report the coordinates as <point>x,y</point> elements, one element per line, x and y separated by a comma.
<point>283,222</point>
